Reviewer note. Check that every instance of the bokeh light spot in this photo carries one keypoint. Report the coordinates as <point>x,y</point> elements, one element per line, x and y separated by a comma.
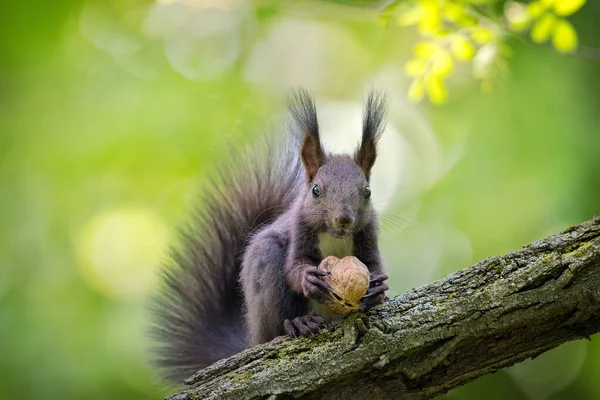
<point>550,372</point>
<point>120,250</point>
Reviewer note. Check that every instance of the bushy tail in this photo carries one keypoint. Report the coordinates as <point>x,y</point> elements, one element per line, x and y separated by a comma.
<point>199,314</point>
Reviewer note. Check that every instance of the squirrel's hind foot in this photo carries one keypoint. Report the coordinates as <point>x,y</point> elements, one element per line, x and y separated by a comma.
<point>303,326</point>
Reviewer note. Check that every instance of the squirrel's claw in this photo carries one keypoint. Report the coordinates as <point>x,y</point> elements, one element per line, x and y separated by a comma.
<point>314,287</point>
<point>376,293</point>
<point>303,326</point>
<point>377,280</point>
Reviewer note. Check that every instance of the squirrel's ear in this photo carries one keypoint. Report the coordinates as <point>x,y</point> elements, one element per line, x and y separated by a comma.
<point>304,115</point>
<point>373,127</point>
<point>312,155</point>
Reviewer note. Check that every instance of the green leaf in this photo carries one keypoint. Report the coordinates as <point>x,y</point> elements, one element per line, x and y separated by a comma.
<point>462,48</point>
<point>387,13</point>
<point>564,37</point>
<point>482,35</point>
<point>518,16</point>
<point>436,90</point>
<point>416,90</point>
<point>410,17</point>
<point>431,19</point>
<point>543,28</point>
<point>536,8</point>
<point>442,62</point>
<point>415,67</point>
<point>567,7</point>
<point>458,13</point>
<point>424,49</point>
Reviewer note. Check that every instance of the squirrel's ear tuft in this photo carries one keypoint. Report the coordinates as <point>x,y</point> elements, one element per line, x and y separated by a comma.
<point>373,127</point>
<point>304,117</point>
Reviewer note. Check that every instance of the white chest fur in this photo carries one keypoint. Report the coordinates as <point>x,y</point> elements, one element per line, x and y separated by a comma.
<point>332,246</point>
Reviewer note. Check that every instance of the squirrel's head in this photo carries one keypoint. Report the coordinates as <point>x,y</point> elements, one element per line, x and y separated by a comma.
<point>337,186</point>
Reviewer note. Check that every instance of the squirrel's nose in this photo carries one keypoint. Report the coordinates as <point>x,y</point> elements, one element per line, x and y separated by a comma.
<point>343,222</point>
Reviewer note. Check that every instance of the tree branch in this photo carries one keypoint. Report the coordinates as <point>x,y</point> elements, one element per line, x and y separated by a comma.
<point>421,344</point>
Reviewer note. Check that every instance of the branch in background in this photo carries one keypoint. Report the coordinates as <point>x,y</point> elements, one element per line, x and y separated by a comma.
<point>588,52</point>
<point>421,344</point>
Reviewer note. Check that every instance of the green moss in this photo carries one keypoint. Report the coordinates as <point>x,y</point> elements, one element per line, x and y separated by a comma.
<point>239,377</point>
<point>295,349</point>
<point>580,250</point>
<point>571,228</point>
<point>288,351</point>
<point>321,339</point>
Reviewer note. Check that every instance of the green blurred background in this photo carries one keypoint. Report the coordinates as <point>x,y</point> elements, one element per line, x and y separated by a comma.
<point>110,112</point>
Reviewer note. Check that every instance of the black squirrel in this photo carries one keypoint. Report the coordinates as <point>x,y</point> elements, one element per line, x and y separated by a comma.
<point>247,272</point>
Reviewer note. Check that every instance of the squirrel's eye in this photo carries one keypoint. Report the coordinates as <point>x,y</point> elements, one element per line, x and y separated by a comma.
<point>316,191</point>
<point>367,192</point>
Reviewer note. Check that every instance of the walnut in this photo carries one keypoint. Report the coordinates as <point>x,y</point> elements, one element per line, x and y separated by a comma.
<point>349,281</point>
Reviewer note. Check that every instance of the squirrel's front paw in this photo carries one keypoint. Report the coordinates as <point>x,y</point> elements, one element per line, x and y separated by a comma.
<point>376,293</point>
<point>313,286</point>
<point>303,326</point>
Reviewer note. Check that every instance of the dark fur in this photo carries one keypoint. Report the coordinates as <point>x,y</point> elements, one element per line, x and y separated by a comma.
<point>373,127</point>
<point>199,311</point>
<point>252,255</point>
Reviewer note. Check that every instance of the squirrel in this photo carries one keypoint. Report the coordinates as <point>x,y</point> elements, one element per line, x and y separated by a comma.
<point>248,270</point>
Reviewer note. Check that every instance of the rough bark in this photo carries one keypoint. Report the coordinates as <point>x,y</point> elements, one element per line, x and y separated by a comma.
<point>421,344</point>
